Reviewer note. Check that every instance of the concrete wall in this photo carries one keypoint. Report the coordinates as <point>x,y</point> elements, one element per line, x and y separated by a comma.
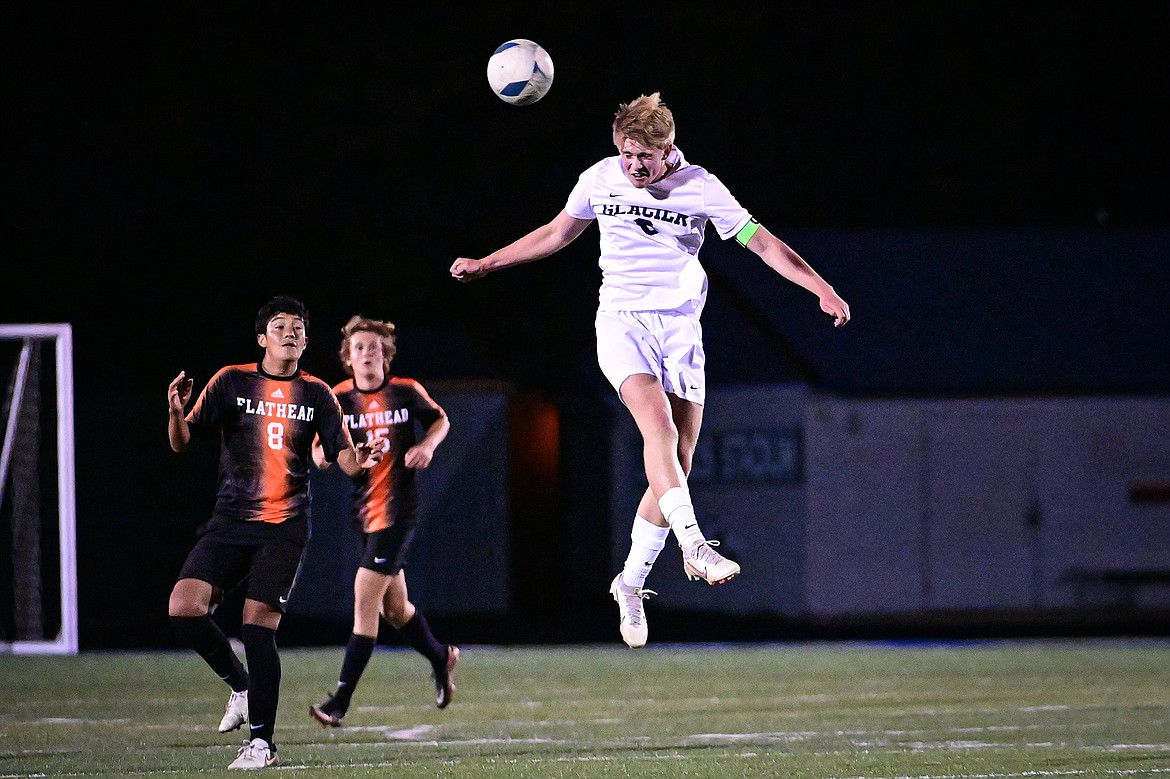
<point>983,504</point>
<point>915,506</point>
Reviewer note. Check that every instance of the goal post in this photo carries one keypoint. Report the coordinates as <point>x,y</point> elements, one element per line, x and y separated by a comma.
<point>38,552</point>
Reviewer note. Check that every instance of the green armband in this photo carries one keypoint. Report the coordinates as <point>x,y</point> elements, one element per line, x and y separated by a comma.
<point>745,234</point>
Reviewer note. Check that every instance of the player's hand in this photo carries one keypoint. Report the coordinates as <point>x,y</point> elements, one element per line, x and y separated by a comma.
<point>179,392</point>
<point>369,454</point>
<point>418,457</point>
<point>833,304</point>
<point>464,269</point>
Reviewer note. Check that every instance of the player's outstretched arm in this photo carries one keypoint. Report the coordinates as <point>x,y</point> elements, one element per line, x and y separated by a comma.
<point>538,244</point>
<point>781,258</point>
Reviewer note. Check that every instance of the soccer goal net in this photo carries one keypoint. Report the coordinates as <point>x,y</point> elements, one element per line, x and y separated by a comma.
<point>38,568</point>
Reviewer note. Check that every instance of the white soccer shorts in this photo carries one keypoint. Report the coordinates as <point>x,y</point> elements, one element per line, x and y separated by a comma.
<point>665,344</point>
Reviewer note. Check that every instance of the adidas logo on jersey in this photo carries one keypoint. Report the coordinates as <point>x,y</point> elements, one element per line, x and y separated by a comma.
<point>277,393</point>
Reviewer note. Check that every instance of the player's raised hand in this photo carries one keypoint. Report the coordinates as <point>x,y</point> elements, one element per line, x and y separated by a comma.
<point>179,393</point>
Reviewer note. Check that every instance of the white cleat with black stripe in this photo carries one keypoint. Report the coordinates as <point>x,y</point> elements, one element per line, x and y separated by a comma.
<point>701,561</point>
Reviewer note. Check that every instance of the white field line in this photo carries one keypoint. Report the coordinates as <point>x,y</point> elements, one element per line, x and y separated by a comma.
<point>392,764</point>
<point>1021,774</point>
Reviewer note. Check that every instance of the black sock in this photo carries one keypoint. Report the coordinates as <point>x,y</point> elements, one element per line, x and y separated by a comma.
<point>264,687</point>
<point>205,637</point>
<point>418,634</point>
<point>357,657</point>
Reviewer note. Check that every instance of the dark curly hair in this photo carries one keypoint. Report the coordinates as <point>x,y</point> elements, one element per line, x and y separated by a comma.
<point>281,304</point>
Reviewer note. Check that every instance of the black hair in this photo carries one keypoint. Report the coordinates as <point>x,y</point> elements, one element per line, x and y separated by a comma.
<point>281,304</point>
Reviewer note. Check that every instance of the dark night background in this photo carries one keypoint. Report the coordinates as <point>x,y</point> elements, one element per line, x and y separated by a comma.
<point>170,166</point>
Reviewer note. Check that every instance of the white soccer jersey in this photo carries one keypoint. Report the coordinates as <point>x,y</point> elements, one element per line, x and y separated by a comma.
<point>650,238</point>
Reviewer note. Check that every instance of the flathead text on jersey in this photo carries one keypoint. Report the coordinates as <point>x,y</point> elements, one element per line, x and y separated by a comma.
<point>266,408</point>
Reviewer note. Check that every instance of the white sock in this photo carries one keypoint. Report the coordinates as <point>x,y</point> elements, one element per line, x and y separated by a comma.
<point>646,541</point>
<point>676,507</point>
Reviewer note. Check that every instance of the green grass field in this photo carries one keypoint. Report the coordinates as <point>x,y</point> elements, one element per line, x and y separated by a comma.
<point>978,710</point>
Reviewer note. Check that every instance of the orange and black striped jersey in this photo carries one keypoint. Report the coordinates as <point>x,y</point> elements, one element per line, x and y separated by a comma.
<point>266,425</point>
<point>391,417</point>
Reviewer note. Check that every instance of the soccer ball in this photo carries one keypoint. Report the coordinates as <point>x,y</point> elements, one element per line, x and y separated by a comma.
<point>520,72</point>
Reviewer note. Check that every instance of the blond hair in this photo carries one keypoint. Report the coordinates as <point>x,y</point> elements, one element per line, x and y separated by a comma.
<point>360,324</point>
<point>645,120</point>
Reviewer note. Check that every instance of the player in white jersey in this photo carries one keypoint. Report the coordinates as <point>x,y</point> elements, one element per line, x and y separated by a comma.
<point>652,208</point>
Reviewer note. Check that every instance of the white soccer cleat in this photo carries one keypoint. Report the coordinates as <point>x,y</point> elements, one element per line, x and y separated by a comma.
<point>255,754</point>
<point>702,562</point>
<point>235,713</point>
<point>633,616</point>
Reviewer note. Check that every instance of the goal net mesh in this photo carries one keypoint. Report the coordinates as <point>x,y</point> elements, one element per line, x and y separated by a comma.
<point>38,599</point>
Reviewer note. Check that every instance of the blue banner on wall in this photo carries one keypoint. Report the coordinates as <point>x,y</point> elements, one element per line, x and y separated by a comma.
<point>747,457</point>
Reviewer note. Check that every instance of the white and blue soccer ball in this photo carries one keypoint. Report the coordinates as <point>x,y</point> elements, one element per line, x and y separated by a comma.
<point>520,72</point>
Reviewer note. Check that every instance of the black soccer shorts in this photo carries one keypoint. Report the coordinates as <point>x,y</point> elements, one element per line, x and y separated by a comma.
<point>386,549</point>
<point>270,565</point>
